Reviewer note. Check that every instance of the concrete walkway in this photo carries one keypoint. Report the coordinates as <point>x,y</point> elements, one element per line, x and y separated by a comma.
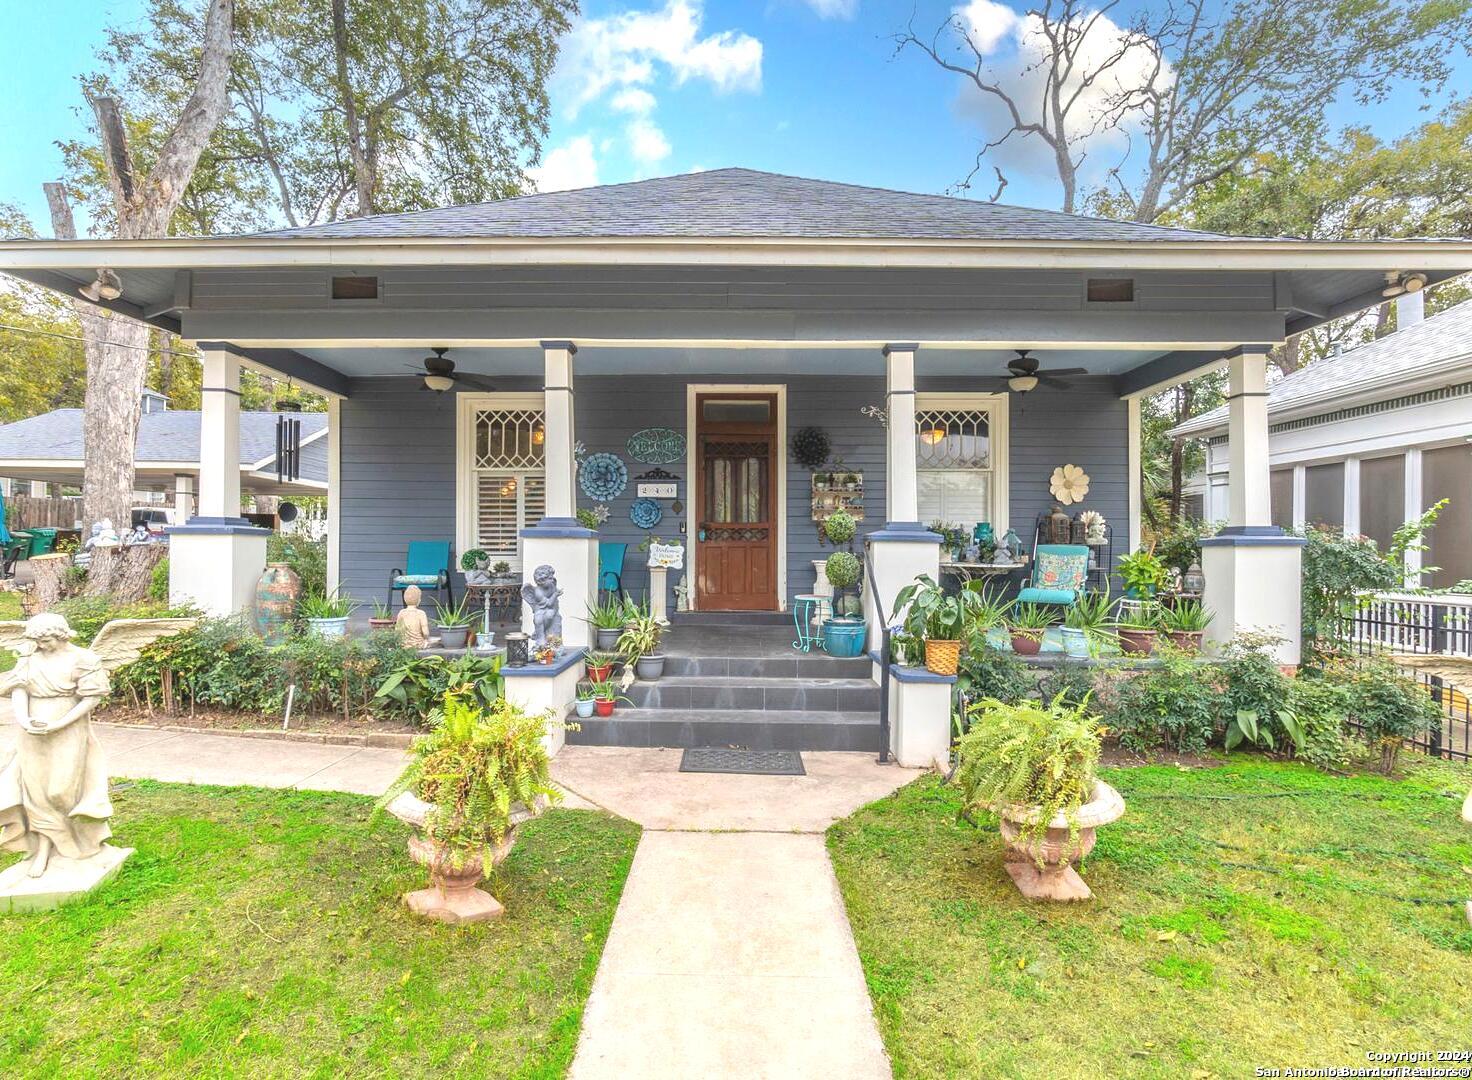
<point>730,954</point>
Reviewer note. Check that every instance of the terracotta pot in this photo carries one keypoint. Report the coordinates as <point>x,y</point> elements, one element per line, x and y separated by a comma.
<point>942,657</point>
<point>599,672</point>
<point>1026,644</point>
<point>1042,868</point>
<point>380,624</point>
<point>452,896</point>
<point>1136,642</point>
<point>1187,640</point>
<point>603,706</point>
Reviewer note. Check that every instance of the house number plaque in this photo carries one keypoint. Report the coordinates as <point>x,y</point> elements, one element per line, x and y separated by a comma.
<point>658,491</point>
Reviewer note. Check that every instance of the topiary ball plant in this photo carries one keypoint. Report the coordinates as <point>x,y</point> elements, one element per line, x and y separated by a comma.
<point>811,447</point>
<point>842,569</point>
<point>839,527</point>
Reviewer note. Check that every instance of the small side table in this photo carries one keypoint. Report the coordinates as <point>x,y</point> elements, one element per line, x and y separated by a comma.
<point>808,608</point>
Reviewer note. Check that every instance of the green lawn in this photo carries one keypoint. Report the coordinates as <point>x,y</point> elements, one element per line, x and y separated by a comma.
<point>1227,931</point>
<point>9,609</point>
<point>260,933</point>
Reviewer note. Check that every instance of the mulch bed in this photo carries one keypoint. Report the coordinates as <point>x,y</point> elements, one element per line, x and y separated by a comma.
<point>323,727</point>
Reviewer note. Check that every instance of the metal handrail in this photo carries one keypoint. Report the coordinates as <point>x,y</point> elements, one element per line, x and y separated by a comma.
<point>883,652</point>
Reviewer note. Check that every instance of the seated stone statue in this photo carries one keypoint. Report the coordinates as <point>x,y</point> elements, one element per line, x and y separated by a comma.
<point>411,623</point>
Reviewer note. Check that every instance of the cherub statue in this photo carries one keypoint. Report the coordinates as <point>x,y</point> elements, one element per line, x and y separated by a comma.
<point>542,598</point>
<point>412,623</point>
<point>53,787</point>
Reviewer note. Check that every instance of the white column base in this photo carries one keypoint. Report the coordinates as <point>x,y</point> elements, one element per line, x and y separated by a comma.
<point>572,552</point>
<point>536,691</point>
<point>901,552</point>
<point>215,569</point>
<point>1253,582</point>
<point>920,722</point>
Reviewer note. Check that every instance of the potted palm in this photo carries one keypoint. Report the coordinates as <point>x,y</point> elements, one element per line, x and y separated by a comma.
<point>936,618</point>
<point>1185,624</point>
<point>473,779</point>
<point>1033,764</point>
<point>1137,627</point>
<point>453,622</point>
<point>1026,626</point>
<point>607,617</point>
<point>1084,624</point>
<point>639,643</point>
<point>326,613</point>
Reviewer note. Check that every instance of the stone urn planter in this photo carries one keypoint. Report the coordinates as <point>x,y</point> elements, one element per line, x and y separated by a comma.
<point>1056,879</point>
<point>453,895</point>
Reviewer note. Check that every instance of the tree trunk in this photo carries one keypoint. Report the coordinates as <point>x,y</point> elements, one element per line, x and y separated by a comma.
<point>124,573</point>
<point>48,578</point>
<point>1286,357</point>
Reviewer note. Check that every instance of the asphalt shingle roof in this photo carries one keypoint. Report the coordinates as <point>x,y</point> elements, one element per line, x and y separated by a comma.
<point>1441,345</point>
<point>162,436</point>
<point>740,203</point>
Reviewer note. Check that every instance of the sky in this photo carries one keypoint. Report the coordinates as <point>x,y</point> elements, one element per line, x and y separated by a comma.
<point>655,87</point>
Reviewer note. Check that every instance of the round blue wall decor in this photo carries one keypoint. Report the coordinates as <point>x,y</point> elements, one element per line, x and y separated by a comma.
<point>602,476</point>
<point>657,445</point>
<point>646,513</point>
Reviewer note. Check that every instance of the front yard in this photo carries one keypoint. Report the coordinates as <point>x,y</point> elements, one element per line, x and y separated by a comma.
<point>1255,913</point>
<point>262,933</point>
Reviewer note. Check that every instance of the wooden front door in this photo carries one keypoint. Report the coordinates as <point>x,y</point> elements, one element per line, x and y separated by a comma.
<point>736,463</point>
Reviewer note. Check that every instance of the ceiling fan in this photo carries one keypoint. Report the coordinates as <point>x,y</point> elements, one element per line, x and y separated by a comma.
<point>1398,283</point>
<point>440,374</point>
<point>1024,373</point>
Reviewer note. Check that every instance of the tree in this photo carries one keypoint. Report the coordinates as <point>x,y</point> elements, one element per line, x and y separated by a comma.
<point>40,359</point>
<point>1191,89</point>
<point>143,203</point>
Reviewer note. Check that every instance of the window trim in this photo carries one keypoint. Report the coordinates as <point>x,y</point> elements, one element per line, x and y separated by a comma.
<point>466,406</point>
<point>999,413</point>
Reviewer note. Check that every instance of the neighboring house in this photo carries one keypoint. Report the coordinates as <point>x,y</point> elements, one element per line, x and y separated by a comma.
<point>47,449</point>
<point>688,326</point>
<point>1368,439</point>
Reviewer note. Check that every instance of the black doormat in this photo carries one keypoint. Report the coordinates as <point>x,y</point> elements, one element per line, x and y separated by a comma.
<point>719,759</point>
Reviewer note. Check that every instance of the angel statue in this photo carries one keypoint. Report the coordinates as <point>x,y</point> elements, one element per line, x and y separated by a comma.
<point>542,598</point>
<point>54,801</point>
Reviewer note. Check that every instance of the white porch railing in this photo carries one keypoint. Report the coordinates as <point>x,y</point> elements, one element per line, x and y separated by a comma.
<point>1438,624</point>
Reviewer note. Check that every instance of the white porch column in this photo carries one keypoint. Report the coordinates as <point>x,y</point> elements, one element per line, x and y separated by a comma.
<point>558,540</point>
<point>183,498</point>
<point>903,548</point>
<point>1253,569</point>
<point>216,558</point>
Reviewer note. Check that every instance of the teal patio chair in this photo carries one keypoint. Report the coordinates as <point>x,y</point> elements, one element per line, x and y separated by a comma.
<point>611,566</point>
<point>1059,572</point>
<point>427,565</point>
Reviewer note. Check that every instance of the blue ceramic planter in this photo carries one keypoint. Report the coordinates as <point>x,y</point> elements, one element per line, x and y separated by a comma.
<point>844,637</point>
<point>1075,642</point>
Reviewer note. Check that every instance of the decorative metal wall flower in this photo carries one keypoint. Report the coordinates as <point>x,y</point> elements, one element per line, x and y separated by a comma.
<point>646,513</point>
<point>1069,484</point>
<point>602,476</point>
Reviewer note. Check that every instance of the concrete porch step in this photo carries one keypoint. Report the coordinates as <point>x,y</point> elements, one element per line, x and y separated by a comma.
<point>730,618</point>
<point>794,665</point>
<point>776,730</point>
<point>748,692</point>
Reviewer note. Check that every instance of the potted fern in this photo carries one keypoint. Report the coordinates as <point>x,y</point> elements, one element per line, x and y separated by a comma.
<point>1143,575</point>
<point>1033,764</point>
<point>1026,625</point>
<point>472,780</point>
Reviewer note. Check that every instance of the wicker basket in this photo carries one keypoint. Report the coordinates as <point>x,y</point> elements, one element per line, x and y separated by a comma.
<point>942,657</point>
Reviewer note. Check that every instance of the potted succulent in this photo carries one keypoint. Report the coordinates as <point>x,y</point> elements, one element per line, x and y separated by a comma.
<point>639,643</point>
<point>584,702</point>
<point>1026,626</point>
<point>1137,627</point>
<point>938,619</point>
<point>453,622</point>
<point>382,617</point>
<point>1185,624</point>
<point>1143,575</point>
<point>1084,624</point>
<point>600,665</point>
<point>607,617</point>
<point>1033,764</point>
<point>326,614</point>
<point>501,572</point>
<point>473,779</point>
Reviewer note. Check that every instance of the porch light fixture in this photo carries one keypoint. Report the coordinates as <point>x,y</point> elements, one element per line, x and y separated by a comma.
<point>933,436</point>
<point>106,286</point>
<point>539,435</point>
<point>1022,383</point>
<point>438,383</point>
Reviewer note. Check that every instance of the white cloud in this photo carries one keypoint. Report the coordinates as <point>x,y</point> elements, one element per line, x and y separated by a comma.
<point>633,100</point>
<point>571,165</point>
<point>834,9</point>
<point>627,49</point>
<point>647,144</point>
<point>1017,53</point>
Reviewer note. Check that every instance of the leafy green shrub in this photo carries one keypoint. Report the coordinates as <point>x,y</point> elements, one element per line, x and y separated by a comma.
<point>413,685</point>
<point>1028,754</point>
<point>88,614</point>
<point>1256,705</point>
<point>1070,683</point>
<point>1321,704</point>
<point>305,556</point>
<point>985,672</point>
<point>1175,706</point>
<point>158,584</point>
<point>1389,707</point>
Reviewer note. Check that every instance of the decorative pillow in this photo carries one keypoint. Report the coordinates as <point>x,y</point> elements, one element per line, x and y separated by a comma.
<point>1061,571</point>
<point>417,579</point>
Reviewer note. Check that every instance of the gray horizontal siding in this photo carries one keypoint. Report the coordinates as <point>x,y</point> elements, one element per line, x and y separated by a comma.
<point>398,467</point>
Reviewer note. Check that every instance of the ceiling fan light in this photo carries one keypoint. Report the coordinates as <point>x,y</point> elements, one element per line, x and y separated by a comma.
<point>438,383</point>
<point>1022,383</point>
<point>106,286</point>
